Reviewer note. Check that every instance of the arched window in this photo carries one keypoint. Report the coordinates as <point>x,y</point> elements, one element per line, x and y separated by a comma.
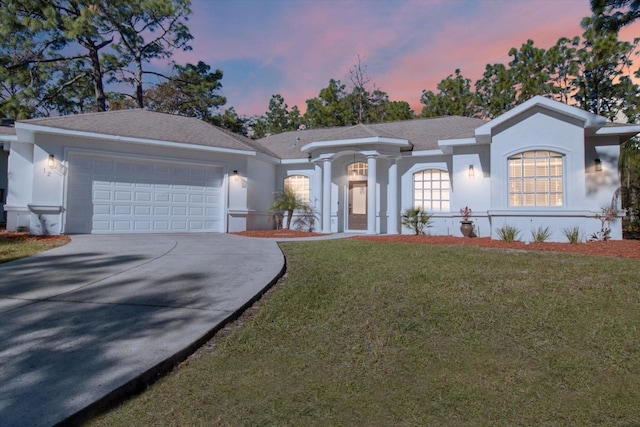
<point>357,170</point>
<point>300,185</point>
<point>536,179</point>
<point>432,190</point>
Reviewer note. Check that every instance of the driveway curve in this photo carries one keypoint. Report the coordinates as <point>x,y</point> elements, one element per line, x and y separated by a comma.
<point>85,323</point>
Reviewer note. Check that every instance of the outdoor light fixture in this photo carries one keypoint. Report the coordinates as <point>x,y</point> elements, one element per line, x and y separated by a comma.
<point>236,176</point>
<point>472,172</point>
<point>598,163</point>
<point>51,162</point>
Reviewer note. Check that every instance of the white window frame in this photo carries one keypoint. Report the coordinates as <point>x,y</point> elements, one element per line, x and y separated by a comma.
<point>300,184</point>
<point>432,187</point>
<point>536,178</point>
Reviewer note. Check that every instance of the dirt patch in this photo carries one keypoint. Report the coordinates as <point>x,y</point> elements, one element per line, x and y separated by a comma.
<point>11,236</point>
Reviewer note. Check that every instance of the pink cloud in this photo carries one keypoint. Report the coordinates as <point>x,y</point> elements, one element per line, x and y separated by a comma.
<point>408,46</point>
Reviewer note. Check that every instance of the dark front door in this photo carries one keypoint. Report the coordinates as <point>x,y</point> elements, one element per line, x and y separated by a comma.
<point>357,205</point>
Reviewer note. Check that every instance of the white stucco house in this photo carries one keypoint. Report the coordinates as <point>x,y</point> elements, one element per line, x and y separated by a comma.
<point>134,171</point>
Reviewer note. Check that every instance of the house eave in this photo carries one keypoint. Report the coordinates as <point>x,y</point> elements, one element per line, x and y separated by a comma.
<point>623,132</point>
<point>397,142</point>
<point>446,145</point>
<point>34,129</point>
<point>306,160</point>
<point>426,153</point>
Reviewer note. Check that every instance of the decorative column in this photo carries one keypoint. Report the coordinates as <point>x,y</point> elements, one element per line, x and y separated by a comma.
<point>317,189</point>
<point>372,162</point>
<point>392,198</point>
<point>326,196</point>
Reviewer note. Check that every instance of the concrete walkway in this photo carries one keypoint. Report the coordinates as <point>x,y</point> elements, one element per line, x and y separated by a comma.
<point>86,322</point>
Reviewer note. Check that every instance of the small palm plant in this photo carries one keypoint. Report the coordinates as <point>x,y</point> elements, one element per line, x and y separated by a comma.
<point>287,201</point>
<point>416,219</point>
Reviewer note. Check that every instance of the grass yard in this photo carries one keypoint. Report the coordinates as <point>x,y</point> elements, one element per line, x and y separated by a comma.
<point>19,245</point>
<point>380,334</point>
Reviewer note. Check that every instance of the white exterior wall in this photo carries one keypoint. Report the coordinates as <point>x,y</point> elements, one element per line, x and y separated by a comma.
<point>472,191</point>
<point>260,178</point>
<point>20,175</point>
<point>37,193</point>
<point>540,130</point>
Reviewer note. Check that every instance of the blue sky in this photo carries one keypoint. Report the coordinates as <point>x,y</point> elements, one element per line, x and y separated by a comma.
<point>293,47</point>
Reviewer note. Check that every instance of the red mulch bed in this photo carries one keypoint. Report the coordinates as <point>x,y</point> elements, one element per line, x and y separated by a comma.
<point>615,248</point>
<point>26,237</point>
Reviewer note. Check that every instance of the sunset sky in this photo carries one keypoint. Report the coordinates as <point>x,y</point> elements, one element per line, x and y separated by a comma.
<point>293,47</point>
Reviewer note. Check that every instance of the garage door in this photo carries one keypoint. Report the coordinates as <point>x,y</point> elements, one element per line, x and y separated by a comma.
<point>123,195</point>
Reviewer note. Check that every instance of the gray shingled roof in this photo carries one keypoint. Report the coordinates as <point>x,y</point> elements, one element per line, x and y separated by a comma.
<point>424,134</point>
<point>152,125</point>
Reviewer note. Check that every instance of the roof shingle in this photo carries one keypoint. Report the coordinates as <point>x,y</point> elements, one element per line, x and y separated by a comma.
<point>424,134</point>
<point>152,125</point>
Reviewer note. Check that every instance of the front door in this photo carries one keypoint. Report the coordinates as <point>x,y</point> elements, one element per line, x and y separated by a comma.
<point>357,205</point>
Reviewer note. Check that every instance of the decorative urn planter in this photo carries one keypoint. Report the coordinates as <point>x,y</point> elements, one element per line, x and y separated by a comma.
<point>466,228</point>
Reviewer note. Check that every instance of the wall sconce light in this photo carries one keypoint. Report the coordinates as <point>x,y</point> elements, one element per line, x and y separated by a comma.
<point>598,163</point>
<point>472,172</point>
<point>236,177</point>
<point>51,162</point>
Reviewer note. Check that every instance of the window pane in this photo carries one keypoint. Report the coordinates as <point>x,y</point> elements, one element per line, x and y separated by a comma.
<point>542,199</point>
<point>427,187</point>
<point>529,168</point>
<point>535,179</point>
<point>542,186</point>
<point>529,185</point>
<point>515,169</point>
<point>542,169</point>
<point>300,185</point>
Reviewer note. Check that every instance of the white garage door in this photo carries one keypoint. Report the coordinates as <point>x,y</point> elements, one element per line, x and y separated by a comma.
<point>127,195</point>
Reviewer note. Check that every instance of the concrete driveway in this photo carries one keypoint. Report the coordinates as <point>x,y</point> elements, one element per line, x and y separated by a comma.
<point>89,320</point>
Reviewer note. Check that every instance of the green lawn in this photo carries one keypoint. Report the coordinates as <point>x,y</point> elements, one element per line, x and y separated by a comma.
<point>381,334</point>
<point>15,246</point>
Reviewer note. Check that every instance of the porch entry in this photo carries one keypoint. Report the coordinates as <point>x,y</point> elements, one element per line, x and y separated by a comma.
<point>357,217</point>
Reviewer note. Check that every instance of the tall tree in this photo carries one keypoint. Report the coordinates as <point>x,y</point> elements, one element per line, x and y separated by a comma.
<point>495,91</point>
<point>22,89</point>
<point>360,93</point>
<point>193,91</point>
<point>530,71</point>
<point>147,30</point>
<point>562,65</point>
<point>330,108</point>
<point>64,44</point>
<point>277,118</point>
<point>604,62</point>
<point>454,98</point>
<point>612,15</point>
<point>231,121</point>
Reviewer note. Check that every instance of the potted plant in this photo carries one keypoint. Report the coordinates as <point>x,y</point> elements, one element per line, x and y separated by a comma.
<point>466,227</point>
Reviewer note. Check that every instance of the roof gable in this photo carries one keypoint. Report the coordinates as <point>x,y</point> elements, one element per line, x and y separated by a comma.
<point>484,133</point>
